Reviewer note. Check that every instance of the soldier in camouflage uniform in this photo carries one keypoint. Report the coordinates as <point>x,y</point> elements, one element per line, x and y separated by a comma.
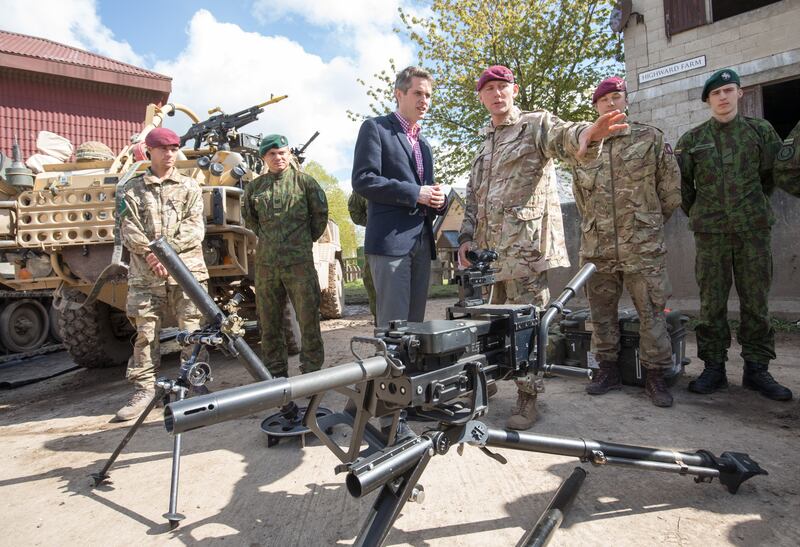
<point>512,202</point>
<point>160,202</point>
<point>787,163</point>
<point>624,198</point>
<point>288,211</point>
<point>726,178</point>
<point>357,205</point>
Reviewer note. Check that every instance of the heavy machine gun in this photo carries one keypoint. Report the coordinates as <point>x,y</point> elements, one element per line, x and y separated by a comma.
<point>440,368</point>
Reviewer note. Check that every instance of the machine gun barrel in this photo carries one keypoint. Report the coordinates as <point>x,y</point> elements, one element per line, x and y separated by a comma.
<point>374,471</point>
<point>197,294</point>
<point>557,306</point>
<point>229,404</point>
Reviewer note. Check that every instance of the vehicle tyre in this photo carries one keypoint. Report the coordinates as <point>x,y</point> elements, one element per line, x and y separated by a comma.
<point>96,336</point>
<point>55,329</point>
<point>24,325</point>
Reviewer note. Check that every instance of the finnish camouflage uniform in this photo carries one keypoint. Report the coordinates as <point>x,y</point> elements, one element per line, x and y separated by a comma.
<point>512,203</point>
<point>726,171</point>
<point>624,197</point>
<point>787,163</point>
<point>152,208</point>
<point>288,211</point>
<point>357,205</point>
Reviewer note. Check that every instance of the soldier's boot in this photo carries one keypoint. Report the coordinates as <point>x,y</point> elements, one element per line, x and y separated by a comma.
<point>136,404</point>
<point>710,380</point>
<point>523,415</point>
<point>656,388</point>
<point>757,377</point>
<point>605,378</point>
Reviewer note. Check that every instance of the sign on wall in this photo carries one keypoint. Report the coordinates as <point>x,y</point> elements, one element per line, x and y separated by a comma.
<point>674,68</point>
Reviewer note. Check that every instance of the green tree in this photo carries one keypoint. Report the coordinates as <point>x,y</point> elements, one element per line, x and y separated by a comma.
<point>557,49</point>
<point>337,206</point>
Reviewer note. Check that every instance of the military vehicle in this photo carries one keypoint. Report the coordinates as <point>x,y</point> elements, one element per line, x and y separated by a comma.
<point>60,232</point>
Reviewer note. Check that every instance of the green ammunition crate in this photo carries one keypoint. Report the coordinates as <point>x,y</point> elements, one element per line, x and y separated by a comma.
<point>576,336</point>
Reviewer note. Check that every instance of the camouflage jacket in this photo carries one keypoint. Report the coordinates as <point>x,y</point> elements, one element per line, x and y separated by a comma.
<point>512,203</point>
<point>787,163</point>
<point>288,212</point>
<point>726,174</point>
<point>172,208</point>
<point>624,198</point>
<point>357,205</point>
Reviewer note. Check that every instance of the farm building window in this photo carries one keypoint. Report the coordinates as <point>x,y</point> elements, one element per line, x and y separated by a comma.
<point>722,9</point>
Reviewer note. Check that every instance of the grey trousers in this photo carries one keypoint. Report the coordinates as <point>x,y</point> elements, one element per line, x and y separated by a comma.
<point>401,283</point>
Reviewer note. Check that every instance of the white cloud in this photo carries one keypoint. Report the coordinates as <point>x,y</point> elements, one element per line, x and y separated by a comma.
<point>71,22</point>
<point>353,13</point>
<point>320,92</point>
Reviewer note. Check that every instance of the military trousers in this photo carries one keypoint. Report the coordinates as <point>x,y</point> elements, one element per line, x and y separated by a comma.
<point>524,290</point>
<point>145,307</point>
<point>649,292</point>
<point>743,258</point>
<point>299,283</point>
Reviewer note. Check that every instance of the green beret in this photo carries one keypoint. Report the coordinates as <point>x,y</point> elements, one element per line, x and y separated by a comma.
<point>272,141</point>
<point>718,79</point>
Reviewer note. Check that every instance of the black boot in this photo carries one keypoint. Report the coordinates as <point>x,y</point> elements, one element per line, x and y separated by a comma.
<point>605,378</point>
<point>757,377</point>
<point>710,380</point>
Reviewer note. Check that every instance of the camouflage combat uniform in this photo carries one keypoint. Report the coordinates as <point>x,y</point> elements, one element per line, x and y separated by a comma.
<point>152,208</point>
<point>726,171</point>
<point>624,198</point>
<point>787,163</point>
<point>512,203</point>
<point>357,205</point>
<point>288,211</point>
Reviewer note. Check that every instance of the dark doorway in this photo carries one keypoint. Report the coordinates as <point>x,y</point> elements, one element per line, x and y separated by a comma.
<point>722,9</point>
<point>781,105</point>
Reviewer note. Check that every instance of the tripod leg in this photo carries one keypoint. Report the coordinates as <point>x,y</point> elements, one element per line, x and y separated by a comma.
<point>102,476</point>
<point>172,515</point>
<point>553,515</point>
<point>388,505</point>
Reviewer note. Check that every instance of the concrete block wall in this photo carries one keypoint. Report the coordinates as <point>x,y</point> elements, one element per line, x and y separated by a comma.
<point>681,251</point>
<point>761,45</point>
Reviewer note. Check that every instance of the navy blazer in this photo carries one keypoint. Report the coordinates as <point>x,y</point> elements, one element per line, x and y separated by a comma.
<point>384,172</point>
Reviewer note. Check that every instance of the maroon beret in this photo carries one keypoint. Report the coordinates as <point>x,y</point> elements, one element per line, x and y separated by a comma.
<point>161,136</point>
<point>496,72</point>
<point>614,83</point>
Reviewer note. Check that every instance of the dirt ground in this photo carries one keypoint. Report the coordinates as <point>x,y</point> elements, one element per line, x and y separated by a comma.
<point>236,491</point>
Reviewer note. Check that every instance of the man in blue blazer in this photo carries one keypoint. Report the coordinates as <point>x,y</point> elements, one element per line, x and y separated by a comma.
<point>393,170</point>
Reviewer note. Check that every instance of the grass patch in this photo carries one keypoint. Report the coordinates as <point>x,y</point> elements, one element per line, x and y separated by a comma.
<point>355,293</point>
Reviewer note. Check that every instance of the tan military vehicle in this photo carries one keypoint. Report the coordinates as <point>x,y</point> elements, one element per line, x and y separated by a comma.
<point>59,229</point>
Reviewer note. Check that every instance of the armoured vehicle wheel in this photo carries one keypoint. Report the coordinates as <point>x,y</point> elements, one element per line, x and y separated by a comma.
<point>55,329</point>
<point>96,336</point>
<point>332,302</point>
<point>24,325</point>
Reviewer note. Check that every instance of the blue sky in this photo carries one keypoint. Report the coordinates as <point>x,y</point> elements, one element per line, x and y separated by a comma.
<point>235,53</point>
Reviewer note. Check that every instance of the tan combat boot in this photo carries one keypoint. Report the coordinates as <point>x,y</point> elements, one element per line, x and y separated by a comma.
<point>523,415</point>
<point>656,388</point>
<point>136,404</point>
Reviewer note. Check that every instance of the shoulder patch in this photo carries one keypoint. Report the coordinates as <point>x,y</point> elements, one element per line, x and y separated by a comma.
<point>786,152</point>
<point>668,148</point>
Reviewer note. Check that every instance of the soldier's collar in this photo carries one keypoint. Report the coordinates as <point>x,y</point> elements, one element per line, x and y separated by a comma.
<point>512,118</point>
<point>150,178</point>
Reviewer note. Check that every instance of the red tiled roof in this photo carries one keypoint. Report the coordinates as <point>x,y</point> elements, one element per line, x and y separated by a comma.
<point>40,55</point>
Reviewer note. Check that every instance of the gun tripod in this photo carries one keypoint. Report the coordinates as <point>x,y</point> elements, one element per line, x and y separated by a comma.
<point>397,469</point>
<point>192,376</point>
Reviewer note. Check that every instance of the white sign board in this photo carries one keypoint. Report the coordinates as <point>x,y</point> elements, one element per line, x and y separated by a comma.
<point>675,68</point>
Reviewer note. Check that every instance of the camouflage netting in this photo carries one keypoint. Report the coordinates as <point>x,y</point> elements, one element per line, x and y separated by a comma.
<point>93,150</point>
